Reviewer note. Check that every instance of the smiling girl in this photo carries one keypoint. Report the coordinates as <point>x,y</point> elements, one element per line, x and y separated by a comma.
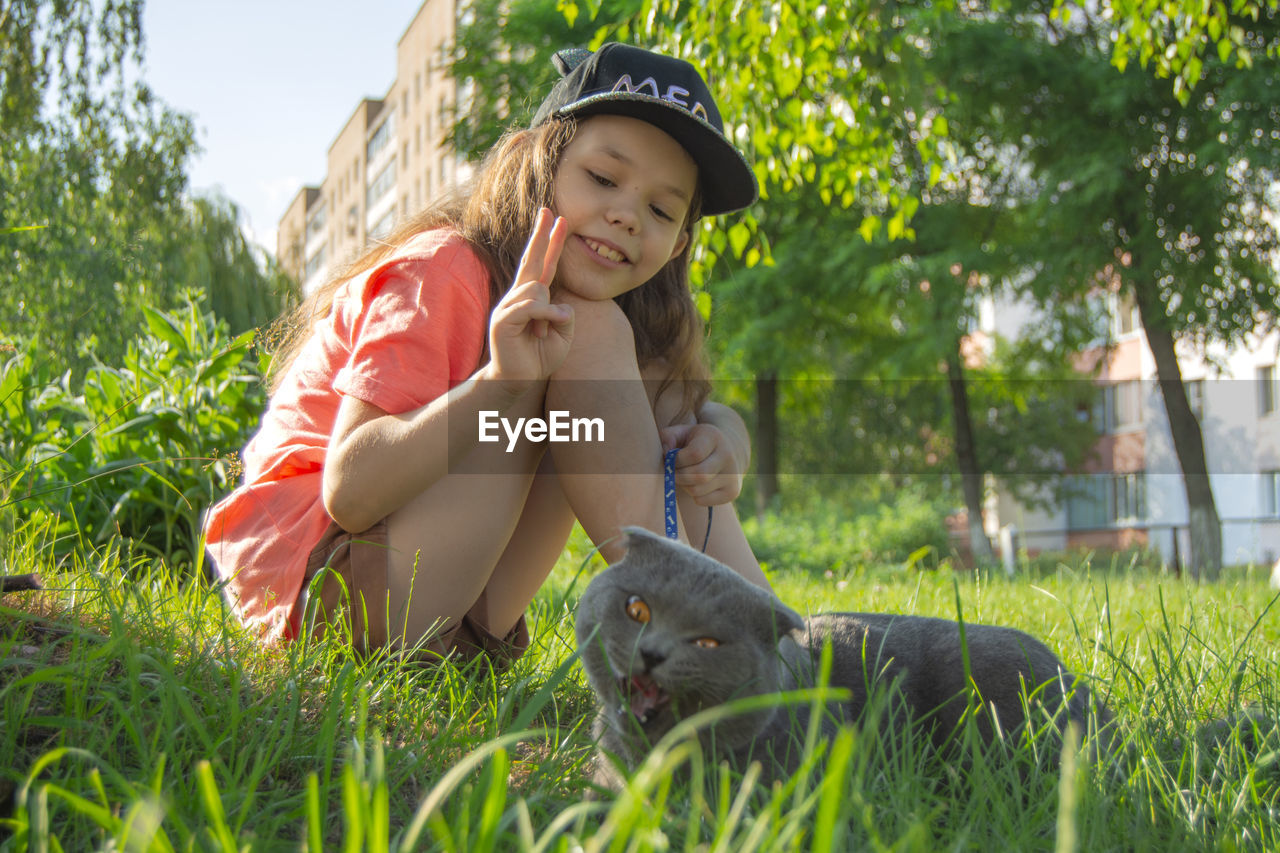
<point>557,283</point>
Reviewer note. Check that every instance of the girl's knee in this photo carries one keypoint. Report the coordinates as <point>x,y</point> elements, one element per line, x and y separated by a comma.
<point>604,345</point>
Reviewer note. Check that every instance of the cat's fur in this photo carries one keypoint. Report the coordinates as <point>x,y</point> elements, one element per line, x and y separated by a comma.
<point>649,676</point>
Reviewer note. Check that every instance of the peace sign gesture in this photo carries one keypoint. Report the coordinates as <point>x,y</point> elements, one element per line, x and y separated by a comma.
<point>529,335</point>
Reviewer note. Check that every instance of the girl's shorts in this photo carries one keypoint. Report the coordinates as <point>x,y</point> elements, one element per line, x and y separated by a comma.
<point>358,562</point>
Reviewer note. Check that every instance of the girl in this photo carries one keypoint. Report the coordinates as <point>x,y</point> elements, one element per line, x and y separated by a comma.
<point>374,460</point>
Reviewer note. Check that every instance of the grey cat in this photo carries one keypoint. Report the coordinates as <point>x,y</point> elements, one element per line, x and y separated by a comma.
<point>668,631</point>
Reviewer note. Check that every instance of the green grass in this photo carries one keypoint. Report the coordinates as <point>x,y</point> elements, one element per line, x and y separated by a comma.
<point>136,715</point>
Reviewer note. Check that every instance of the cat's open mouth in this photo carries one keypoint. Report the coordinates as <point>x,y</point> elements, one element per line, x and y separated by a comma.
<point>646,698</point>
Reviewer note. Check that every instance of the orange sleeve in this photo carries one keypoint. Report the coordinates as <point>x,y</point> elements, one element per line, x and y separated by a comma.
<point>420,330</point>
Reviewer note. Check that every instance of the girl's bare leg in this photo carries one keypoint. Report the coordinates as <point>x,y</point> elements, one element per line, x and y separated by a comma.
<point>617,482</point>
<point>727,542</point>
<point>445,543</point>
<point>531,553</point>
<point>497,523</point>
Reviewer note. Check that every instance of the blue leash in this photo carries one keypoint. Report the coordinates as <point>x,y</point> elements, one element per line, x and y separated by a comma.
<point>669,492</point>
<point>669,499</point>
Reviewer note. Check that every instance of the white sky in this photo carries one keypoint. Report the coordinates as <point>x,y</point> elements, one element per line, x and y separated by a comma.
<point>269,83</point>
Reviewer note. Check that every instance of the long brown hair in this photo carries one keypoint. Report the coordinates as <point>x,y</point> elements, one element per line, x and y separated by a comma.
<point>495,215</point>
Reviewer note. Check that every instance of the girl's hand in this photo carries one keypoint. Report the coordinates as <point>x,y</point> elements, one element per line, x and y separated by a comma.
<point>529,335</point>
<point>707,466</point>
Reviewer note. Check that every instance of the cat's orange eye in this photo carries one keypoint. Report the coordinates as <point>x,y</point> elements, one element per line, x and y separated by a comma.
<point>706,642</point>
<point>637,609</point>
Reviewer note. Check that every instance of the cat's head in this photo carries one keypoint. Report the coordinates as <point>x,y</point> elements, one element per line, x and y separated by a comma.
<point>668,631</point>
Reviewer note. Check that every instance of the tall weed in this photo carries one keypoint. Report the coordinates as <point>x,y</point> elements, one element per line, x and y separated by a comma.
<point>137,450</point>
<point>834,536</point>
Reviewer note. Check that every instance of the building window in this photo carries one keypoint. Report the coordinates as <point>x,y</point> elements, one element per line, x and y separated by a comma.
<point>383,226</point>
<point>1195,397</point>
<point>1087,502</point>
<point>1120,406</point>
<point>1107,500</point>
<point>1125,317</point>
<point>316,261</point>
<point>382,184</point>
<point>1271,493</point>
<point>1129,503</point>
<point>381,137</point>
<point>1266,389</point>
<point>317,220</point>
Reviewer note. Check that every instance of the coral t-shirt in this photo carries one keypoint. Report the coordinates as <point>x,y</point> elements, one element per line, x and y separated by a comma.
<point>397,337</point>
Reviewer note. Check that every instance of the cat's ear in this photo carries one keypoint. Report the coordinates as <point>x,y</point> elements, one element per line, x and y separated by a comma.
<point>771,619</point>
<point>646,548</point>
<point>785,620</point>
<point>640,540</point>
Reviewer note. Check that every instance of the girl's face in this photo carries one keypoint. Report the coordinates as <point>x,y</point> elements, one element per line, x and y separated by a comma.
<point>623,188</point>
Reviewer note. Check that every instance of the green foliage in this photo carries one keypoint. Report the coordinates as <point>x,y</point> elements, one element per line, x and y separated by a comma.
<point>134,452</point>
<point>820,96</point>
<point>1129,560</point>
<point>245,288</point>
<point>503,50</point>
<point>95,220</point>
<point>1174,39</point>
<point>1033,410</point>
<point>905,527</point>
<point>1130,183</point>
<point>1133,187</point>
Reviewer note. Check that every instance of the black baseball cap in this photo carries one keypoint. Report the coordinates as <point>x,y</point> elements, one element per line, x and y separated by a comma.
<point>669,93</point>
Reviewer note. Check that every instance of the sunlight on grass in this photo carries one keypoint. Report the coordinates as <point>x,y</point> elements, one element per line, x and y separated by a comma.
<point>138,715</point>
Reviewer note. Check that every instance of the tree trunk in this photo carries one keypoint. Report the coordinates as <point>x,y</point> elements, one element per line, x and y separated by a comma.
<point>967,458</point>
<point>1188,441</point>
<point>766,441</point>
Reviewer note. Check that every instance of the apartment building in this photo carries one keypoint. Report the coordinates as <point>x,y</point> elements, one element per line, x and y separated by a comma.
<point>1132,492</point>
<point>386,162</point>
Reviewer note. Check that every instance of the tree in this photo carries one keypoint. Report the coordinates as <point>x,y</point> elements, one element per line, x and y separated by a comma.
<point>1166,197</point>
<point>1173,39</point>
<point>849,128</point>
<point>818,97</point>
<point>845,123</point>
<point>94,207</point>
<point>503,52</point>
<point>1010,409</point>
<point>246,288</point>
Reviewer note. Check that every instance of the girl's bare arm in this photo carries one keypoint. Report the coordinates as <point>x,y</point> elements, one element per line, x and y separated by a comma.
<point>377,462</point>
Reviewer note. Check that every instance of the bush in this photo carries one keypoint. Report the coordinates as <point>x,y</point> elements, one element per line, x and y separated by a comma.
<point>829,536</point>
<point>1134,558</point>
<point>137,451</point>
